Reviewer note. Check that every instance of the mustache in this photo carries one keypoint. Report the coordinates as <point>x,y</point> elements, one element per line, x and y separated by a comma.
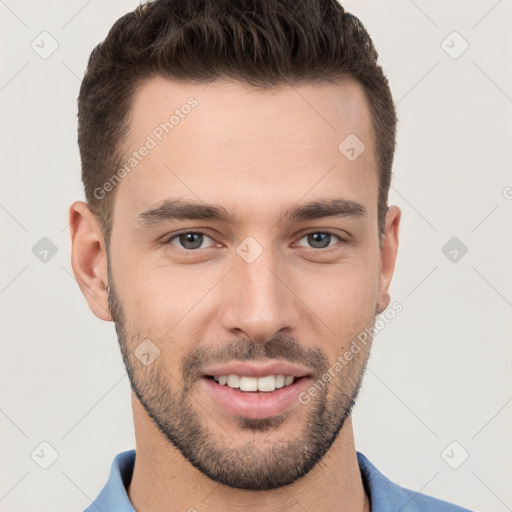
<point>280,347</point>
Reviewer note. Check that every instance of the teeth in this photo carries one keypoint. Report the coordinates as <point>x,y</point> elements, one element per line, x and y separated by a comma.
<point>266,383</point>
<point>245,383</point>
<point>248,383</point>
<point>233,381</point>
<point>279,381</point>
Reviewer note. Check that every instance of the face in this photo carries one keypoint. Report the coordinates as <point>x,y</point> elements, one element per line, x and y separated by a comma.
<point>245,252</point>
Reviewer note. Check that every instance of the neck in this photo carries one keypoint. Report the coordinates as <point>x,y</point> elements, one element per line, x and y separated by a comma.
<point>163,480</point>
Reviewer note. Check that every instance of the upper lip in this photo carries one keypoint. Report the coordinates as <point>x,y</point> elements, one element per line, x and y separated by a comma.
<point>256,369</point>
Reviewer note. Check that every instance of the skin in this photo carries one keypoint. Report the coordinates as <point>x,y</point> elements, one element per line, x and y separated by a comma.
<point>255,152</point>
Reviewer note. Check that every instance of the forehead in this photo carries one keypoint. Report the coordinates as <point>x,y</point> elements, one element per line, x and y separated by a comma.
<point>229,143</point>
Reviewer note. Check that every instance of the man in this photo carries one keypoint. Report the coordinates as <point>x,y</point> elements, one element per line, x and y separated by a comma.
<point>236,158</point>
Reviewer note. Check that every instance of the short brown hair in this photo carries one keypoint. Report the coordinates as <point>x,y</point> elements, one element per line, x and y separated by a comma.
<point>263,43</point>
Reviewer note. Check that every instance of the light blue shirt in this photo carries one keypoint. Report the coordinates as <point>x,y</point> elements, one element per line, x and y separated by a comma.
<point>385,496</point>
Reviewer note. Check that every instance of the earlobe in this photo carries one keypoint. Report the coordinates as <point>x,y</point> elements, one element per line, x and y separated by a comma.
<point>89,258</point>
<point>388,254</point>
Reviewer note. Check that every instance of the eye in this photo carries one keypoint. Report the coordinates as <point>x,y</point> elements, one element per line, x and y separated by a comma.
<point>321,239</point>
<point>189,240</point>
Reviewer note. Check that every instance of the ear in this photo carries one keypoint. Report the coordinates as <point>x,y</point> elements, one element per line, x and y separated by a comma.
<point>89,258</point>
<point>388,253</point>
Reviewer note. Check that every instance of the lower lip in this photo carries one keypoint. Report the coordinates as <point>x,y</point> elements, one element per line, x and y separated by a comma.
<point>256,404</point>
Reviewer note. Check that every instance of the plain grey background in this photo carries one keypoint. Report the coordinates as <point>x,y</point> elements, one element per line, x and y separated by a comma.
<point>435,411</point>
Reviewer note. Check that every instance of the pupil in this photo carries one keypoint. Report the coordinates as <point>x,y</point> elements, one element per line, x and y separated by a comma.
<point>191,240</point>
<point>318,240</point>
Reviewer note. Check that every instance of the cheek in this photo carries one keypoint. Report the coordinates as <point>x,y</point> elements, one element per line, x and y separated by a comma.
<point>165,301</point>
<point>344,295</point>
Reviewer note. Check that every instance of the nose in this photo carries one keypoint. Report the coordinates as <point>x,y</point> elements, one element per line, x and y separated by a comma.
<point>258,299</point>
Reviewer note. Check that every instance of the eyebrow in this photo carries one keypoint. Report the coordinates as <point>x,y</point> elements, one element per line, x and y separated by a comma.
<point>177,209</point>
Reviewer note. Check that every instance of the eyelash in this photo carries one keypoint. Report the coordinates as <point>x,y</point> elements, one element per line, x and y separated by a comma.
<point>169,239</point>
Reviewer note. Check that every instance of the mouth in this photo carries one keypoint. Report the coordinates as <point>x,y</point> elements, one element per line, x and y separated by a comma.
<point>249,384</point>
<point>255,397</point>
